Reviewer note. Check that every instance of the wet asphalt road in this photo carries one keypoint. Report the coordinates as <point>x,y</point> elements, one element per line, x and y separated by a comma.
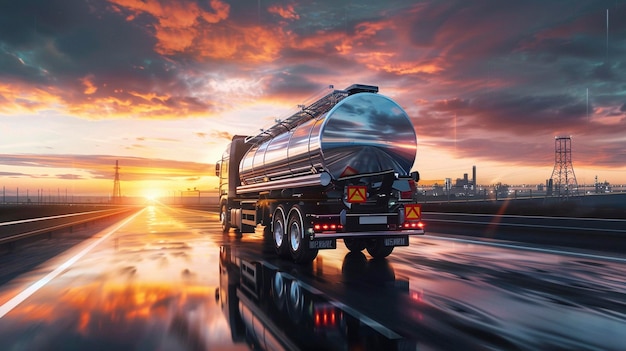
<point>168,279</point>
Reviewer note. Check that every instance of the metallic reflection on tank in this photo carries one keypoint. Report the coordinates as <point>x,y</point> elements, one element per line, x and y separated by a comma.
<point>363,133</point>
<point>369,133</point>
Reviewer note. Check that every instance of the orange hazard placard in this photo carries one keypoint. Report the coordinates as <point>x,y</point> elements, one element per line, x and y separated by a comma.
<point>348,172</point>
<point>412,212</point>
<point>357,193</point>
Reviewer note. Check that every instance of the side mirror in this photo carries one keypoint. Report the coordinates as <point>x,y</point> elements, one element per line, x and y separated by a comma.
<point>217,168</point>
<point>416,176</point>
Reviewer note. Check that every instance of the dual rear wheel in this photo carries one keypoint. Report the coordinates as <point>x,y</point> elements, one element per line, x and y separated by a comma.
<point>289,235</point>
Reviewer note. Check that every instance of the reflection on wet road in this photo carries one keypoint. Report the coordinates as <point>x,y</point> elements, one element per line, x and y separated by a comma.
<point>169,280</point>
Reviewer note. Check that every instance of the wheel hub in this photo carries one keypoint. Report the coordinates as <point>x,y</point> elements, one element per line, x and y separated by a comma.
<point>294,234</point>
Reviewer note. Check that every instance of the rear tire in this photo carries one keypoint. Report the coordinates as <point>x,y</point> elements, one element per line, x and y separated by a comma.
<point>298,240</point>
<point>377,249</point>
<point>354,245</point>
<point>279,238</point>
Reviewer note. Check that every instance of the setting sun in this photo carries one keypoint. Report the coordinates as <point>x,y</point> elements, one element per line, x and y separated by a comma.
<point>151,195</point>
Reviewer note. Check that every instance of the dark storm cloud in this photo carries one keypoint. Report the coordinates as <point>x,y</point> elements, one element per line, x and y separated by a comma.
<point>73,38</point>
<point>514,114</point>
<point>291,84</point>
<point>463,68</point>
<point>84,51</point>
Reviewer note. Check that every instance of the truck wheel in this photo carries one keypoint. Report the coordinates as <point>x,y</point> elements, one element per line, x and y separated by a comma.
<point>298,241</point>
<point>377,249</point>
<point>278,232</point>
<point>354,245</point>
<point>224,218</point>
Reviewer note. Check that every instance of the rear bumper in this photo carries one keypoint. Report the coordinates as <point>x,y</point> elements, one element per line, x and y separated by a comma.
<point>370,234</point>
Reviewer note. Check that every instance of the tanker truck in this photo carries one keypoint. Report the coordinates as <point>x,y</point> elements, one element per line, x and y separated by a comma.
<point>338,168</point>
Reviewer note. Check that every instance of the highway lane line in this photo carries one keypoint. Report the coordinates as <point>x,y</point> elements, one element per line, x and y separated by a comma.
<point>530,248</point>
<point>26,293</point>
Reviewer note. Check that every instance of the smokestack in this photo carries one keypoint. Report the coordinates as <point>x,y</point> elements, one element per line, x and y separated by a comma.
<point>474,178</point>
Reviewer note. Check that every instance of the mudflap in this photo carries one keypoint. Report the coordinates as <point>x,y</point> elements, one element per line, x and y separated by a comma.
<point>322,244</point>
<point>402,240</point>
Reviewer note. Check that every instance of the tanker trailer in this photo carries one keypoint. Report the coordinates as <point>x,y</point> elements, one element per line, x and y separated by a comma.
<point>339,168</point>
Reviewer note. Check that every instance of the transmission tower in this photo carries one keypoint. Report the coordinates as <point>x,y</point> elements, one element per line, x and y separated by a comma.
<point>117,194</point>
<point>563,177</point>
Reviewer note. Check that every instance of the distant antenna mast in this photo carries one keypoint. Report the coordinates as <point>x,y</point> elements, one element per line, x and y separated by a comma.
<point>607,35</point>
<point>563,176</point>
<point>117,194</point>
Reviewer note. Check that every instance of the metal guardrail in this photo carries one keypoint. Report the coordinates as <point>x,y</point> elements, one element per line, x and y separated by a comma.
<point>604,225</point>
<point>21,229</point>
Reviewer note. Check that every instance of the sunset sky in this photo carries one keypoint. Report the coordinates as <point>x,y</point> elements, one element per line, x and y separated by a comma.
<point>162,85</point>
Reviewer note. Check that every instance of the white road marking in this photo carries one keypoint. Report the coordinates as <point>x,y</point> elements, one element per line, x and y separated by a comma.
<point>26,293</point>
<point>531,248</point>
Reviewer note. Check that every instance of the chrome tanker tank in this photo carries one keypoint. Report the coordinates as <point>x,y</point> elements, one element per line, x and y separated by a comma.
<point>362,133</point>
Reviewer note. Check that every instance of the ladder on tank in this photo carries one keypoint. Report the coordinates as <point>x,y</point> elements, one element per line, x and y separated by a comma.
<point>309,112</point>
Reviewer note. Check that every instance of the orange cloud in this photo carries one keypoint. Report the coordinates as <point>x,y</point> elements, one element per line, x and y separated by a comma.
<point>380,52</point>
<point>16,99</point>
<point>150,97</point>
<point>388,62</point>
<point>90,88</point>
<point>240,43</point>
<point>179,23</point>
<point>184,27</point>
<point>287,12</point>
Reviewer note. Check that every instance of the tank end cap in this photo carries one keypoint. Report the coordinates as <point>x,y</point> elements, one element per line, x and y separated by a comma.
<point>325,178</point>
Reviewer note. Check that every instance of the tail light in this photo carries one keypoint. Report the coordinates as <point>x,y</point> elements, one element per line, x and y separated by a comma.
<point>327,227</point>
<point>412,225</point>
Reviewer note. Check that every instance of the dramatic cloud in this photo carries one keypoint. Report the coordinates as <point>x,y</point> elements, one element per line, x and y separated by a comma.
<point>480,79</point>
<point>102,166</point>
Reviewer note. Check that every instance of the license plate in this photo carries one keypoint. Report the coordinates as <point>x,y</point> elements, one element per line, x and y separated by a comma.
<point>323,244</point>
<point>373,220</point>
<point>401,241</point>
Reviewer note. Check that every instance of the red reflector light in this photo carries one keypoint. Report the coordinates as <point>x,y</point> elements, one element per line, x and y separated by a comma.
<point>412,225</point>
<point>323,227</point>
